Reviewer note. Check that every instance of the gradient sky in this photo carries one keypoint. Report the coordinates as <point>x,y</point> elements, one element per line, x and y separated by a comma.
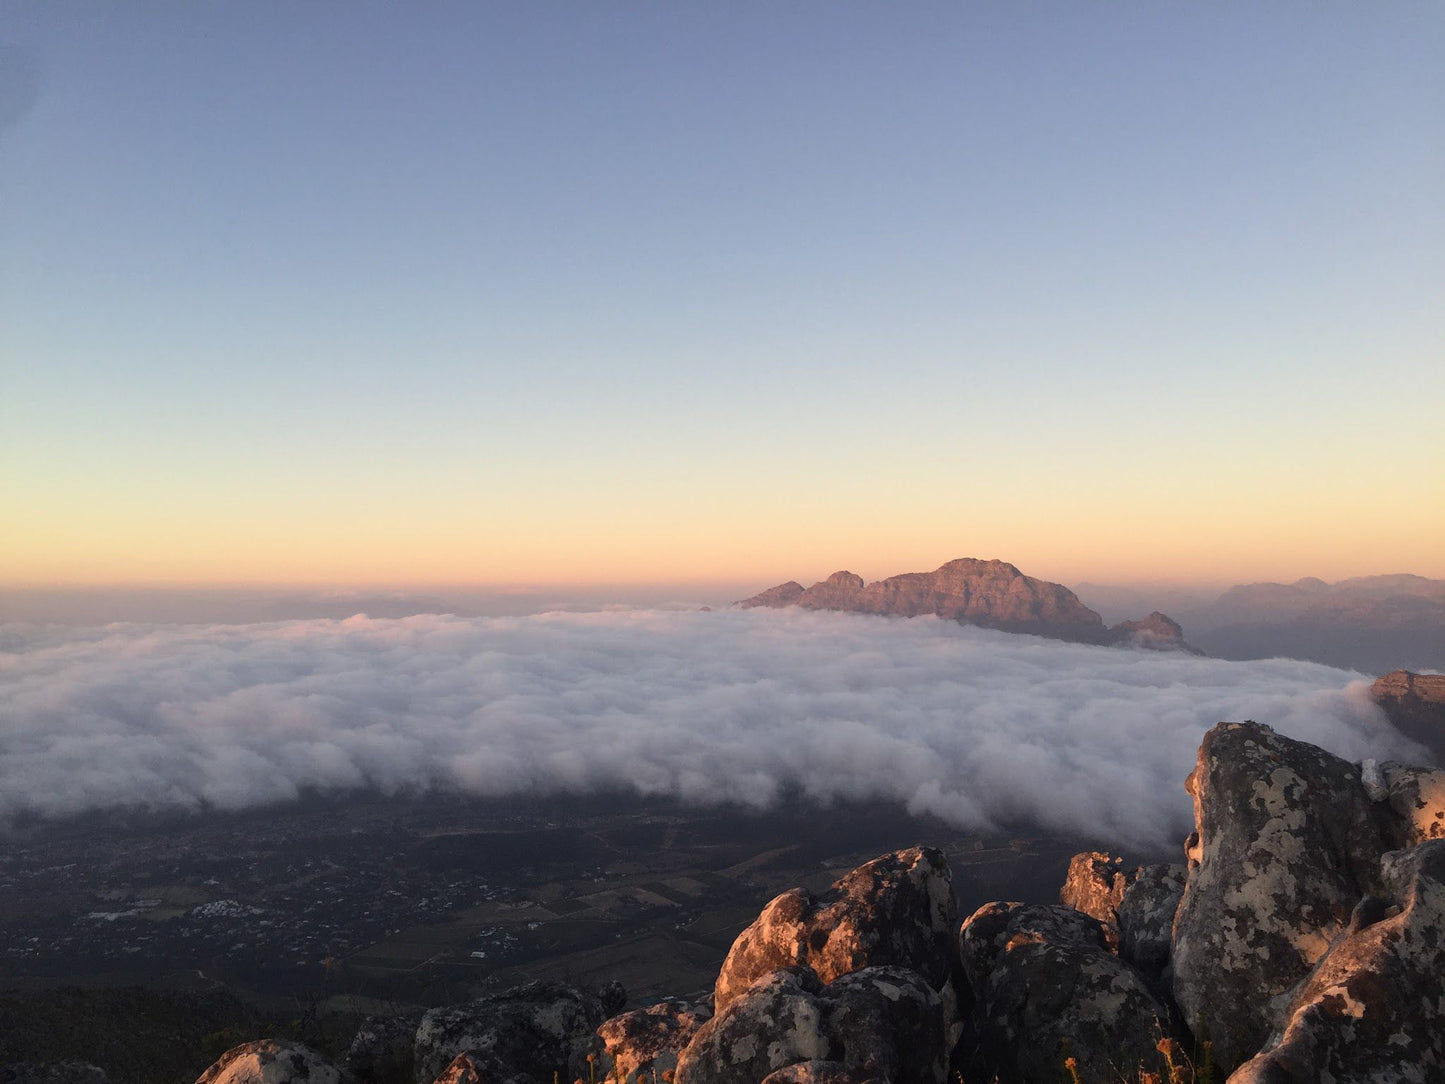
<point>616,292</point>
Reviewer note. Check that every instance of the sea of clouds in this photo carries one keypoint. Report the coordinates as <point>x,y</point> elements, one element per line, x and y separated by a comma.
<point>974,726</point>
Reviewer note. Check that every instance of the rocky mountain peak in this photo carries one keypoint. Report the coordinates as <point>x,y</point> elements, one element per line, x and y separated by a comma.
<point>989,593</point>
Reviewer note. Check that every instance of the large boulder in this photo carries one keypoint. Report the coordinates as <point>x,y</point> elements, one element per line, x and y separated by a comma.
<point>1095,884</point>
<point>1146,916</point>
<point>381,1051</point>
<point>1373,1009</point>
<point>1048,989</point>
<point>897,910</point>
<point>1286,842</point>
<point>1417,795</point>
<point>1135,905</point>
<point>883,1023</point>
<point>636,1044</point>
<point>523,1034</point>
<point>272,1061</point>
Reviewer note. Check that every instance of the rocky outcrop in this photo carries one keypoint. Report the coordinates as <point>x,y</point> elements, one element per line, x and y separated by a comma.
<point>527,1033</point>
<point>992,594</point>
<point>785,594</point>
<point>881,1023</point>
<point>1095,884</point>
<point>1416,795</point>
<point>1373,1009</point>
<point>1157,632</point>
<point>272,1061</point>
<point>1048,990</point>
<point>381,1049</point>
<point>1286,843</point>
<point>1136,906</point>
<point>637,1044</point>
<point>1146,917</point>
<point>1415,704</point>
<point>462,1070</point>
<point>897,910</point>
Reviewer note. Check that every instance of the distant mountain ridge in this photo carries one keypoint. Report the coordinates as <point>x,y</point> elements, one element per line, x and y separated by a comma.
<point>991,594</point>
<point>1368,623</point>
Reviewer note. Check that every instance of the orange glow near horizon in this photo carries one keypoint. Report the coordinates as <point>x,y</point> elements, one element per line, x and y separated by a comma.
<point>711,550</point>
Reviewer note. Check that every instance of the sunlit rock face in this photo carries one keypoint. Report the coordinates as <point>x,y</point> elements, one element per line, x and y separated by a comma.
<point>1417,796</point>
<point>272,1061</point>
<point>462,1070</point>
<point>785,594</point>
<point>1157,632</point>
<point>1095,884</point>
<point>530,1031</point>
<point>1373,1009</point>
<point>646,1041</point>
<point>897,910</point>
<point>1136,905</point>
<point>881,1023</point>
<point>994,594</point>
<point>1048,988</point>
<point>1287,841</point>
<point>1415,703</point>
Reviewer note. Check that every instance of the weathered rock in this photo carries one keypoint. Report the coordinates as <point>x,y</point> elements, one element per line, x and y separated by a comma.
<point>1415,704</point>
<point>1095,884</point>
<point>637,1043</point>
<point>1373,1009</point>
<point>881,1022</point>
<point>1146,917</point>
<point>896,910</point>
<point>526,1033</point>
<point>1417,795</point>
<point>52,1072</point>
<point>785,594</point>
<point>613,996</point>
<point>993,594</point>
<point>820,1072</point>
<point>1047,988</point>
<point>1286,842</point>
<point>271,1061</point>
<point>382,1048</point>
<point>462,1070</point>
<point>1157,632</point>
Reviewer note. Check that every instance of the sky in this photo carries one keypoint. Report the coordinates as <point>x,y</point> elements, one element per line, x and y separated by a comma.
<point>584,293</point>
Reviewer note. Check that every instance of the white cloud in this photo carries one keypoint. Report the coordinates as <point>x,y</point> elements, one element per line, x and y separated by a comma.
<point>975,726</point>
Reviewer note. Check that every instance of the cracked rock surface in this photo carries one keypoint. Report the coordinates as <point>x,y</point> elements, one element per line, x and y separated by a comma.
<point>526,1033</point>
<point>1048,988</point>
<point>271,1061</point>
<point>637,1043</point>
<point>881,1023</point>
<point>1286,843</point>
<point>1373,1009</point>
<point>897,910</point>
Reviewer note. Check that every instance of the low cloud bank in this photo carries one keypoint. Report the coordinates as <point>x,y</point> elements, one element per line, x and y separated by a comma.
<point>974,726</point>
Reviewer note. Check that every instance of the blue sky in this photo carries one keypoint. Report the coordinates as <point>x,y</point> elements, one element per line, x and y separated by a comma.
<point>532,292</point>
